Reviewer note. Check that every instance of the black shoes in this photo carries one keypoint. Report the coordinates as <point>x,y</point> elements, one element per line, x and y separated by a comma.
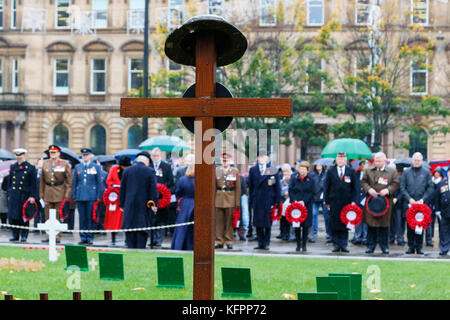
<point>443,253</point>
<point>385,251</point>
<point>410,251</point>
<point>219,246</point>
<point>369,251</point>
<point>419,251</point>
<point>345,250</point>
<point>44,240</point>
<point>229,246</point>
<point>335,250</point>
<point>23,239</point>
<point>14,239</point>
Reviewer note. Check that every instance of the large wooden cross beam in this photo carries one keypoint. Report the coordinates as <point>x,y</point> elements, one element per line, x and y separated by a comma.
<point>204,107</point>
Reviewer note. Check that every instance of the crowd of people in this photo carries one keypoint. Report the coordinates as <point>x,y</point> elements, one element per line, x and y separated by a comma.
<point>130,195</point>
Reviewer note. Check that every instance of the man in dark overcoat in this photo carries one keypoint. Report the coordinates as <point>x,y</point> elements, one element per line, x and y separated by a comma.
<point>379,180</point>
<point>21,187</point>
<point>341,188</point>
<point>442,194</point>
<point>416,186</point>
<point>164,175</point>
<point>264,191</point>
<point>137,189</point>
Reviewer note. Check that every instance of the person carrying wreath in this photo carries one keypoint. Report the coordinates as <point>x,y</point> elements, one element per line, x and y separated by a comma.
<point>379,181</point>
<point>301,190</point>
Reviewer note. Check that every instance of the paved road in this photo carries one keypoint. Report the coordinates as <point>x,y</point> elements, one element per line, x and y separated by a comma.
<point>277,246</point>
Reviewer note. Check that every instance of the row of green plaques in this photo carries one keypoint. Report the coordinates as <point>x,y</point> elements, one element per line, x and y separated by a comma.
<point>336,286</point>
<point>236,281</point>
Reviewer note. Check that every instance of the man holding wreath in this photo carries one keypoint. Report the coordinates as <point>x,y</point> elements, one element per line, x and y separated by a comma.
<point>380,183</point>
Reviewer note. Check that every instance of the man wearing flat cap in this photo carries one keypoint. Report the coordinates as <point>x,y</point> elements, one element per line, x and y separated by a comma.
<point>228,197</point>
<point>86,189</point>
<point>56,183</point>
<point>341,188</point>
<point>379,181</point>
<point>21,187</point>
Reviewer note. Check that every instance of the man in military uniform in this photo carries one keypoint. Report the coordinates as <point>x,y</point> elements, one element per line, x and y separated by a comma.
<point>86,189</point>
<point>228,197</point>
<point>56,183</point>
<point>21,187</point>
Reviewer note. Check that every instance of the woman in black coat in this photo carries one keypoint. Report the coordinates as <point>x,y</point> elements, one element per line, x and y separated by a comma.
<point>301,189</point>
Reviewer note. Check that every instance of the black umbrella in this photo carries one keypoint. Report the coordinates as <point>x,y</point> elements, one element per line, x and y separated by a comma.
<point>6,155</point>
<point>68,155</point>
<point>403,162</point>
<point>104,159</point>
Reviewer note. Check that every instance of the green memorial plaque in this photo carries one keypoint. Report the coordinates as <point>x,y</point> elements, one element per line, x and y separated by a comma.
<point>355,283</point>
<point>170,272</point>
<point>340,284</point>
<point>317,296</point>
<point>111,266</point>
<point>236,282</point>
<point>76,257</point>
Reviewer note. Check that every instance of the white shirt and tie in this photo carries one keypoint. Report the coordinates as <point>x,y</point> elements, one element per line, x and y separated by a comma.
<point>341,171</point>
<point>262,168</point>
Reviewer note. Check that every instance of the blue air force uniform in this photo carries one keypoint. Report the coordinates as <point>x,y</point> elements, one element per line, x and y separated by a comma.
<point>21,185</point>
<point>86,189</point>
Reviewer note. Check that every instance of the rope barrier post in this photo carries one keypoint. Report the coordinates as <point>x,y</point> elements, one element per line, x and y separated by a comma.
<point>9,297</point>
<point>43,296</point>
<point>76,295</point>
<point>108,295</point>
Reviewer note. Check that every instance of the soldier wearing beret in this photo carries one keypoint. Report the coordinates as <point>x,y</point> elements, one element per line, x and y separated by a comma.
<point>21,186</point>
<point>56,182</point>
<point>228,197</point>
<point>379,180</point>
<point>86,189</point>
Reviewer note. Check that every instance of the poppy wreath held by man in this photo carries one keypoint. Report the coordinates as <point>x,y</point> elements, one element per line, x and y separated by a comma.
<point>29,211</point>
<point>276,211</point>
<point>164,196</point>
<point>418,216</point>
<point>111,198</point>
<point>351,215</point>
<point>296,213</point>
<point>94,211</point>
<point>65,207</point>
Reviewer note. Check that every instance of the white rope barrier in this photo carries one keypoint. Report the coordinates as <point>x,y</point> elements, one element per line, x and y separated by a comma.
<point>102,231</point>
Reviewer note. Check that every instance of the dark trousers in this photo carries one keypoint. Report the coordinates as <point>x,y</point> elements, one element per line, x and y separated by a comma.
<point>16,232</point>
<point>285,228</point>
<point>398,226</point>
<point>158,219</point>
<point>86,223</point>
<point>429,233</point>
<point>377,235</point>
<point>340,239</point>
<point>263,235</point>
<point>136,239</point>
<point>444,235</point>
<point>301,236</point>
<point>172,216</point>
<point>3,218</point>
<point>415,241</point>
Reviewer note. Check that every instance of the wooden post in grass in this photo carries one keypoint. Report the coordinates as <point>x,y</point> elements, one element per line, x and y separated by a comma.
<point>9,297</point>
<point>43,296</point>
<point>77,295</point>
<point>108,295</point>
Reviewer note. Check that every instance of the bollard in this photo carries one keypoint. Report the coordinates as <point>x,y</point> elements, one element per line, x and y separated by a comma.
<point>77,296</point>
<point>108,295</point>
<point>43,296</point>
<point>9,297</point>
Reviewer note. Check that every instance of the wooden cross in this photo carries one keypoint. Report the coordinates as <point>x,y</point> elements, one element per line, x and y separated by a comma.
<point>204,107</point>
<point>52,227</point>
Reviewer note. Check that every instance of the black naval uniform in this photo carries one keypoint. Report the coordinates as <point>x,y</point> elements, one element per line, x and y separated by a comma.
<point>443,208</point>
<point>21,186</point>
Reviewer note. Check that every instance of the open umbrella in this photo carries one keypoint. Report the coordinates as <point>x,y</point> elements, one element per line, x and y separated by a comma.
<point>132,153</point>
<point>325,162</point>
<point>438,163</point>
<point>104,159</point>
<point>4,167</point>
<point>6,155</point>
<point>68,155</point>
<point>403,162</point>
<point>165,143</point>
<point>355,149</point>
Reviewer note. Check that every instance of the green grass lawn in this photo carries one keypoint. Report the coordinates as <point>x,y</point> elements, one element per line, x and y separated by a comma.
<point>272,277</point>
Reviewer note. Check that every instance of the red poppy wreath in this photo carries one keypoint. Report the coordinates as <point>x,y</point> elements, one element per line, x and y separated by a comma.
<point>351,215</point>
<point>165,195</point>
<point>418,215</point>
<point>296,213</point>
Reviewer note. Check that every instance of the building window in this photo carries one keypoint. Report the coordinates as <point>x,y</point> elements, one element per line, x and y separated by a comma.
<point>100,13</point>
<point>362,11</point>
<point>98,140</point>
<point>313,78</point>
<point>61,136</point>
<point>13,14</point>
<point>62,13</point>
<point>1,14</point>
<point>175,13</point>
<point>15,76</point>
<point>135,73</point>
<point>215,7</point>
<point>98,76</point>
<point>419,77</point>
<point>419,12</point>
<point>268,11</point>
<point>1,75</point>
<point>315,12</point>
<point>135,137</point>
<point>61,76</point>
<point>361,64</point>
